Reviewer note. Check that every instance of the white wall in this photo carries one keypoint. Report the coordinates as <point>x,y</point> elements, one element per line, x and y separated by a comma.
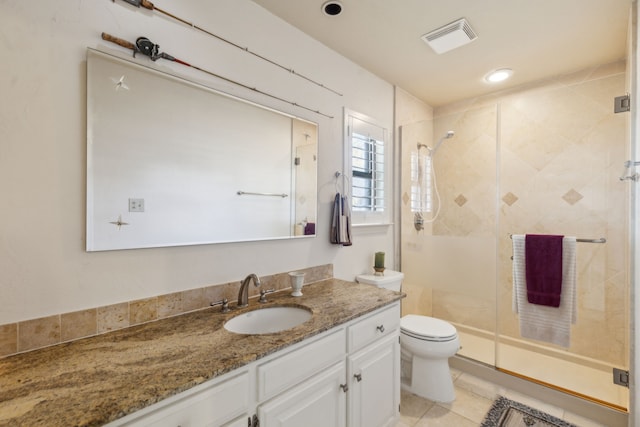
<point>44,268</point>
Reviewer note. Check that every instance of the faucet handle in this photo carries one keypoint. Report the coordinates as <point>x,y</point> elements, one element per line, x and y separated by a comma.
<point>263,294</point>
<point>224,303</point>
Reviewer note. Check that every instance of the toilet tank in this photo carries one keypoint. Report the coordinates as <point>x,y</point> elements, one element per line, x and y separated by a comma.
<point>391,280</point>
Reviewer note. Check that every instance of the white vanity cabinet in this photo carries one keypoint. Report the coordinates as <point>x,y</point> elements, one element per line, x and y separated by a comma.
<point>318,402</point>
<point>374,393</point>
<point>374,369</point>
<point>238,422</point>
<point>305,386</point>
<point>365,394</point>
<point>222,401</point>
<point>348,376</point>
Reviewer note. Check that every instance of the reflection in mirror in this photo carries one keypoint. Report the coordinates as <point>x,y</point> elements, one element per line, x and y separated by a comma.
<point>171,162</point>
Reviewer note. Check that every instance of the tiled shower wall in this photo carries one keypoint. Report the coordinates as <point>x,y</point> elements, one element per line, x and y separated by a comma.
<point>543,159</point>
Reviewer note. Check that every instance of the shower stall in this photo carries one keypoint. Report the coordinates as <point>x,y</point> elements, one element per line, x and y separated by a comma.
<point>545,159</point>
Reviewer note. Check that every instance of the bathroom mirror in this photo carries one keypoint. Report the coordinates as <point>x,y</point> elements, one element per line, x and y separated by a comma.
<point>171,162</point>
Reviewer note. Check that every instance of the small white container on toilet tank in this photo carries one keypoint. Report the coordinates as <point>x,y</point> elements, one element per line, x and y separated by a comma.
<point>426,343</point>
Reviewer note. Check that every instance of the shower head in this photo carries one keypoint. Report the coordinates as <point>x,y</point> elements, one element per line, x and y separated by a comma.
<point>448,135</point>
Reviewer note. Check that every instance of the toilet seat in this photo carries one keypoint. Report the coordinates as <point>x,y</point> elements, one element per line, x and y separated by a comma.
<point>427,328</point>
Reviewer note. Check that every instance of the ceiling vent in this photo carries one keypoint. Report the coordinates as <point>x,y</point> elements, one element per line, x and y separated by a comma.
<point>450,36</point>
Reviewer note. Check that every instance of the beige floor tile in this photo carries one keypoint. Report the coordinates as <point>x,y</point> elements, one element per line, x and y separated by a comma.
<point>474,398</point>
<point>534,403</point>
<point>478,386</point>
<point>580,421</point>
<point>439,416</point>
<point>469,405</point>
<point>413,407</point>
<point>455,373</point>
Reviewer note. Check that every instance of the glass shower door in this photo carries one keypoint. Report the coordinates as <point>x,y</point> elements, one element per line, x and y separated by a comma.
<point>450,263</point>
<point>545,160</point>
<point>560,151</point>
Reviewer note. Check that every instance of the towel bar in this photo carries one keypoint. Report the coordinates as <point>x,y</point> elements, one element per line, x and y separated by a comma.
<point>242,193</point>
<point>600,240</point>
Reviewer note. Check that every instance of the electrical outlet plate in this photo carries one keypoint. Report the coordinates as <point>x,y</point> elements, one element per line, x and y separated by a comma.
<point>136,205</point>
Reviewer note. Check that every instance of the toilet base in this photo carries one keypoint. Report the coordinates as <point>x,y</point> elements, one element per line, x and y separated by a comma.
<point>431,379</point>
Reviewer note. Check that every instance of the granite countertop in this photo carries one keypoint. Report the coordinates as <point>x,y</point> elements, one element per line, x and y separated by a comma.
<point>95,380</point>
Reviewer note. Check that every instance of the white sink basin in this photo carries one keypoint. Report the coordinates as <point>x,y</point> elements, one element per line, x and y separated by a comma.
<point>267,320</point>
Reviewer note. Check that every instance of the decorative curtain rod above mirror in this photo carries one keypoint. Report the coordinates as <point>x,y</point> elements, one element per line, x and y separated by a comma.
<point>144,46</point>
<point>150,6</point>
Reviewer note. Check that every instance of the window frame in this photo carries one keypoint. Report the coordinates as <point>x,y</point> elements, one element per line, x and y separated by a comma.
<point>360,217</point>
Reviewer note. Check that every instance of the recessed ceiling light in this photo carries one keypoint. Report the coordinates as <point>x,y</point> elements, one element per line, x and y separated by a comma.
<point>499,75</point>
<point>332,8</point>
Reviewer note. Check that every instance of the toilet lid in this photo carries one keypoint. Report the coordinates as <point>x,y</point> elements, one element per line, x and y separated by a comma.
<point>427,328</point>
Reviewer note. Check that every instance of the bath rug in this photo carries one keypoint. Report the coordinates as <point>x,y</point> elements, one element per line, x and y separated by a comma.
<point>508,413</point>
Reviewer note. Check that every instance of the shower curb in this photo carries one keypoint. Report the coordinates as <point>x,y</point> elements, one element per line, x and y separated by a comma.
<point>596,412</point>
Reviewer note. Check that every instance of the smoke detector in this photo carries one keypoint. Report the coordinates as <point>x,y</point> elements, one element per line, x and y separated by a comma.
<point>450,36</point>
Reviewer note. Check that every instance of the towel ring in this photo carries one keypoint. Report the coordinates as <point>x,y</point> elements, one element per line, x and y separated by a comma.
<point>337,175</point>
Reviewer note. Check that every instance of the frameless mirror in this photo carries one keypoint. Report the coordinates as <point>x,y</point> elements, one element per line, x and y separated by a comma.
<point>171,162</point>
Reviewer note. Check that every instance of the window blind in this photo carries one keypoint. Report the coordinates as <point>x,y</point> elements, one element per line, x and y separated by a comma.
<point>367,164</point>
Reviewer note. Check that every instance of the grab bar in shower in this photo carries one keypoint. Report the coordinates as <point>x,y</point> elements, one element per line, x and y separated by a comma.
<point>600,240</point>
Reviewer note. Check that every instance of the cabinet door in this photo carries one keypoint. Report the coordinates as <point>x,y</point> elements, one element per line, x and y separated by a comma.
<point>318,402</point>
<point>374,384</point>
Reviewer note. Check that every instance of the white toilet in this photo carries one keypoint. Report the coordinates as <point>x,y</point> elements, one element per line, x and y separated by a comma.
<point>427,344</point>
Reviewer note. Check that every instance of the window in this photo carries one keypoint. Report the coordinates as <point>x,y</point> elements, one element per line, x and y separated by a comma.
<point>421,197</point>
<point>369,158</point>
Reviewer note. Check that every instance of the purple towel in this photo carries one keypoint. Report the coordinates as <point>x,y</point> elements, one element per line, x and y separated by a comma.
<point>543,264</point>
<point>310,228</point>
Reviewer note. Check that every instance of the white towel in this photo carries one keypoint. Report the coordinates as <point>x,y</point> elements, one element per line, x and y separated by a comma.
<point>541,322</point>
<point>420,182</point>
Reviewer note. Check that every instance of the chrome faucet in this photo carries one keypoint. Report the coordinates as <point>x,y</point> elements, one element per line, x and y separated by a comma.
<point>243,295</point>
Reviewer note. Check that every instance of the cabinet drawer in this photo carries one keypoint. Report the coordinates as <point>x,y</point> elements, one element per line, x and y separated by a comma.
<point>238,422</point>
<point>375,326</point>
<point>291,368</point>
<point>210,405</point>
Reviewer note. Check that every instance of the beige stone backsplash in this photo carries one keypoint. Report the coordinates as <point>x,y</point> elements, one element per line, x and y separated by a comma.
<point>46,331</point>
